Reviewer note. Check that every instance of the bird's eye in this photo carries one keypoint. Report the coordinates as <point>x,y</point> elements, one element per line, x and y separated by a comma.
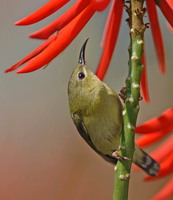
<point>81,75</point>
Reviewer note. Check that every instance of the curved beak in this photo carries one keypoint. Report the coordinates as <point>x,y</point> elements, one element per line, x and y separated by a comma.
<point>82,53</point>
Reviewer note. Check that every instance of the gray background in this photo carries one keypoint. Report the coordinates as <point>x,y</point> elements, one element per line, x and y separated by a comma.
<point>42,157</point>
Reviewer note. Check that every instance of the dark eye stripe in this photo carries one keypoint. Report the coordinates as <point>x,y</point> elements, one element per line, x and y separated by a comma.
<point>81,75</point>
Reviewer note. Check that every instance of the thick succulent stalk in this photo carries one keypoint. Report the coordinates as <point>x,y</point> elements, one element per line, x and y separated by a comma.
<point>132,94</point>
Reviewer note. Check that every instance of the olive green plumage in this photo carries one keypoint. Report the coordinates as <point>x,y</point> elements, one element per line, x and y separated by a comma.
<point>97,113</point>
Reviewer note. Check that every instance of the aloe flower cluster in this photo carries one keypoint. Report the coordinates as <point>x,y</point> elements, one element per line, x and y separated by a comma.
<point>61,32</point>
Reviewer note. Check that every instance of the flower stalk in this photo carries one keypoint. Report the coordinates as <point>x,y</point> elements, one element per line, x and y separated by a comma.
<point>132,94</point>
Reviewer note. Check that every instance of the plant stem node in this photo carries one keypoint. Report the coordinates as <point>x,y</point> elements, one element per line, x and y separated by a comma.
<point>124,177</point>
<point>130,99</point>
<point>124,112</point>
<point>140,42</point>
<point>129,126</point>
<point>134,57</point>
<point>135,85</point>
<point>127,176</point>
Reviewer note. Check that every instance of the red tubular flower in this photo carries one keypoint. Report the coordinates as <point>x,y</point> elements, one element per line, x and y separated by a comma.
<point>157,123</point>
<point>43,12</point>
<point>72,17</point>
<point>64,38</point>
<point>68,26</point>
<point>157,36</point>
<point>154,129</point>
<point>144,85</point>
<point>62,21</point>
<point>166,7</point>
<point>163,150</point>
<point>34,53</point>
<point>152,138</point>
<point>100,5</point>
<point>111,35</point>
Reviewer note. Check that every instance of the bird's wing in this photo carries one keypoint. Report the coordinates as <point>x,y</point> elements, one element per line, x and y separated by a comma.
<point>84,134</point>
<point>83,131</point>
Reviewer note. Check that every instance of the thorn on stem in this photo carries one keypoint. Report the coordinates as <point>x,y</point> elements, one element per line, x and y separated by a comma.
<point>140,98</point>
<point>122,93</point>
<point>127,8</point>
<point>127,20</point>
<point>127,1</point>
<point>147,25</point>
<point>137,12</point>
<point>144,10</point>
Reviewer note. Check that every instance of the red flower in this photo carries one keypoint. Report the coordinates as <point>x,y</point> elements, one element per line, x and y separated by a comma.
<point>154,130</point>
<point>71,23</point>
<point>61,32</point>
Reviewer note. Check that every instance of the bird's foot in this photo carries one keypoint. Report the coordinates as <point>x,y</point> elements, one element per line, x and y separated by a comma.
<point>123,96</point>
<point>122,93</point>
<point>116,155</point>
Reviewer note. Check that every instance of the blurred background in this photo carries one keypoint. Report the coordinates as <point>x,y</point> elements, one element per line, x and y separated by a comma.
<point>42,156</point>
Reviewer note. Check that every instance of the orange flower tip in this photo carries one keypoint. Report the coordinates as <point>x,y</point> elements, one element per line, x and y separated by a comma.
<point>22,72</point>
<point>35,35</point>
<point>7,70</point>
<point>146,99</point>
<point>162,70</point>
<point>21,23</point>
<point>162,67</point>
<point>13,67</point>
<point>17,23</point>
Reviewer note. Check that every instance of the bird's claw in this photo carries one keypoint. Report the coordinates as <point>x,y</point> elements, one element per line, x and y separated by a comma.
<point>123,92</point>
<point>116,155</point>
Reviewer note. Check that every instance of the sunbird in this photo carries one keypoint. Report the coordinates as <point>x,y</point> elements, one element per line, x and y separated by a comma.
<point>96,111</point>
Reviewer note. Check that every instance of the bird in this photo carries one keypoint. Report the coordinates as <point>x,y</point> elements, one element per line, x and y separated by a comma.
<point>96,111</point>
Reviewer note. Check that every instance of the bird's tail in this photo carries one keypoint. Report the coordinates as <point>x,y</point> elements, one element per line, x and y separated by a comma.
<point>144,161</point>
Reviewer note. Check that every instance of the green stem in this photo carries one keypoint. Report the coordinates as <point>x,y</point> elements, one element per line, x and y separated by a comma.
<point>131,108</point>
